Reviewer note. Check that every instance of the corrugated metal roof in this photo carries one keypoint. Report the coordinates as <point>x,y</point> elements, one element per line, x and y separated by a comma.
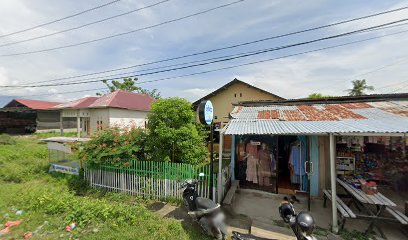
<point>378,117</point>
<point>124,99</point>
<point>77,104</point>
<point>32,104</point>
<point>117,99</point>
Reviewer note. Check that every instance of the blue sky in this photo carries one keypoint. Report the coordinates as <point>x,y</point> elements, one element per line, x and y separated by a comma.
<point>328,72</point>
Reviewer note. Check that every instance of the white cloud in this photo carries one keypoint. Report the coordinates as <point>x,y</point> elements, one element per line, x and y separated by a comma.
<point>329,71</point>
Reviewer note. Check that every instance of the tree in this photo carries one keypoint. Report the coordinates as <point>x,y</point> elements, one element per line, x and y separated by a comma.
<point>359,86</point>
<point>174,134</point>
<point>318,96</point>
<point>129,84</point>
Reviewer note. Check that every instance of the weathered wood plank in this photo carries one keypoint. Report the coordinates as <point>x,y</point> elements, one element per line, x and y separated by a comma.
<point>339,205</point>
<point>398,215</point>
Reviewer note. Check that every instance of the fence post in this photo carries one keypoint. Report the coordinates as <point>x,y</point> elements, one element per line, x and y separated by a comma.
<point>165,180</point>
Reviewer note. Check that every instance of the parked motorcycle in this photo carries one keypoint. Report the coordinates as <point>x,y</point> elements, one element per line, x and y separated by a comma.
<point>203,210</point>
<point>302,224</point>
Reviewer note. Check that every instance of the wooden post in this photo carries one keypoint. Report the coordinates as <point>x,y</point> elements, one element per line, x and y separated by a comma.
<point>333,176</point>
<point>220,189</point>
<point>233,157</point>
<point>61,123</point>
<point>78,125</point>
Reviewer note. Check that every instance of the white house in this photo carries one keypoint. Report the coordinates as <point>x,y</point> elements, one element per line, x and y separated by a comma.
<point>117,109</point>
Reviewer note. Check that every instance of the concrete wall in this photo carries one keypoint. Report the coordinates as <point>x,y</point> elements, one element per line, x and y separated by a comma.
<point>98,115</point>
<point>51,120</point>
<point>238,92</point>
<point>124,118</point>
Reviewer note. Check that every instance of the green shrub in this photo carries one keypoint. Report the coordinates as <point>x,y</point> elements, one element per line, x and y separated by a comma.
<point>6,139</point>
<point>174,134</point>
<point>114,147</point>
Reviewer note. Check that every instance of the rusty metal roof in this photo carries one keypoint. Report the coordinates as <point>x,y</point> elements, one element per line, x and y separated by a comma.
<point>77,104</point>
<point>362,117</point>
<point>125,100</point>
<point>31,104</point>
<point>118,99</point>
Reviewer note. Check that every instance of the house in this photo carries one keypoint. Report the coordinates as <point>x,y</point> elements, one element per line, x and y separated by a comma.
<point>117,109</point>
<point>224,98</point>
<point>25,116</point>
<point>363,137</point>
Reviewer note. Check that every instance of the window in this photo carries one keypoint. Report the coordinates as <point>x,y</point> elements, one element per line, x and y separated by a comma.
<point>99,125</point>
<point>240,94</point>
<point>235,95</point>
<point>215,117</point>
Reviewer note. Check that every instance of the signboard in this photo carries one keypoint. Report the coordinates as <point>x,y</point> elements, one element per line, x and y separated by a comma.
<point>59,147</point>
<point>64,169</point>
<point>206,112</point>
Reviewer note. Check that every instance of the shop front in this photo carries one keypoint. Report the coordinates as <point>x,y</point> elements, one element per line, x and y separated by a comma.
<point>273,163</point>
<point>294,147</point>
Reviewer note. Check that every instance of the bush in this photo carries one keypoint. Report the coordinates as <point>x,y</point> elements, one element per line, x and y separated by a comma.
<point>174,134</point>
<point>115,147</point>
<point>6,139</point>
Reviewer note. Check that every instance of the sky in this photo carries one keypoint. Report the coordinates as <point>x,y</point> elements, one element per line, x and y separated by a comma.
<point>381,61</point>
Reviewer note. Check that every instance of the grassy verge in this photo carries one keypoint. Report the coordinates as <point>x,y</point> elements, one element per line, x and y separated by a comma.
<point>50,202</point>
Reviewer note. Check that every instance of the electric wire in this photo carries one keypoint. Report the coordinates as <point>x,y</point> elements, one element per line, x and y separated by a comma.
<point>221,60</point>
<point>84,25</point>
<point>232,46</point>
<point>249,63</point>
<point>58,20</point>
<point>124,33</point>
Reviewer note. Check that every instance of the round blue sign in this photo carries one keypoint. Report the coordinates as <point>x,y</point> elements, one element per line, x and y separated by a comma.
<point>205,112</point>
<point>208,112</point>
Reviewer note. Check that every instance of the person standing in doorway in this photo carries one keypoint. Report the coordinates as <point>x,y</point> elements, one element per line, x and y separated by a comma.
<point>264,168</point>
<point>251,172</point>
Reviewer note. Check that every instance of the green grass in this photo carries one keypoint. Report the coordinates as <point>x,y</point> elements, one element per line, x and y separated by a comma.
<point>51,201</point>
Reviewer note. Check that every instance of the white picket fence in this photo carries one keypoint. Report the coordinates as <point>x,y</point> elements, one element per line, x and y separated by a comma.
<point>147,185</point>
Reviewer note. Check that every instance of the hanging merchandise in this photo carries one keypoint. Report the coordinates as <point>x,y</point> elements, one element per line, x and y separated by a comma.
<point>297,161</point>
<point>264,169</point>
<point>252,151</point>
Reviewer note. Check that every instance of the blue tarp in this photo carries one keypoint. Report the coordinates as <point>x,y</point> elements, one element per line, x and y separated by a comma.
<point>4,100</point>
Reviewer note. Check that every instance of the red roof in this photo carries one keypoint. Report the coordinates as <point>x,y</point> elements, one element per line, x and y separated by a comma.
<point>79,103</point>
<point>125,100</point>
<point>33,104</point>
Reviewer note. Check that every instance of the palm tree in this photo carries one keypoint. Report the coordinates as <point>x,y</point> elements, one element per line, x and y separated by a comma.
<point>359,86</point>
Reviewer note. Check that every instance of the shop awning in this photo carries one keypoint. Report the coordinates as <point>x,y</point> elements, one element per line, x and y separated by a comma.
<point>387,117</point>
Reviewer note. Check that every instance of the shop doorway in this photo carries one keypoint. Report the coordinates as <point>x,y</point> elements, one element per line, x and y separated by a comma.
<point>292,156</point>
<point>256,162</point>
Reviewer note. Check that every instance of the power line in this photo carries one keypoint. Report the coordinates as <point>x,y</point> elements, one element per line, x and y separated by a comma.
<point>257,62</point>
<point>59,20</point>
<point>246,64</point>
<point>231,46</point>
<point>84,25</point>
<point>224,59</point>
<point>238,55</point>
<point>124,33</point>
<point>77,91</point>
<point>381,68</point>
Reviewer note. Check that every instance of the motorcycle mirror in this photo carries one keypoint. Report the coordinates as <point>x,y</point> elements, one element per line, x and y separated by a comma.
<point>201,174</point>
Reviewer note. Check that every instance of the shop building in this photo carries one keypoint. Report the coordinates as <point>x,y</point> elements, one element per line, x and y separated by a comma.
<point>362,137</point>
<point>224,99</point>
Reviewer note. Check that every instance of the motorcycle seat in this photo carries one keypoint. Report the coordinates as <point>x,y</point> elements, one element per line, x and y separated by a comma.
<point>205,203</point>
